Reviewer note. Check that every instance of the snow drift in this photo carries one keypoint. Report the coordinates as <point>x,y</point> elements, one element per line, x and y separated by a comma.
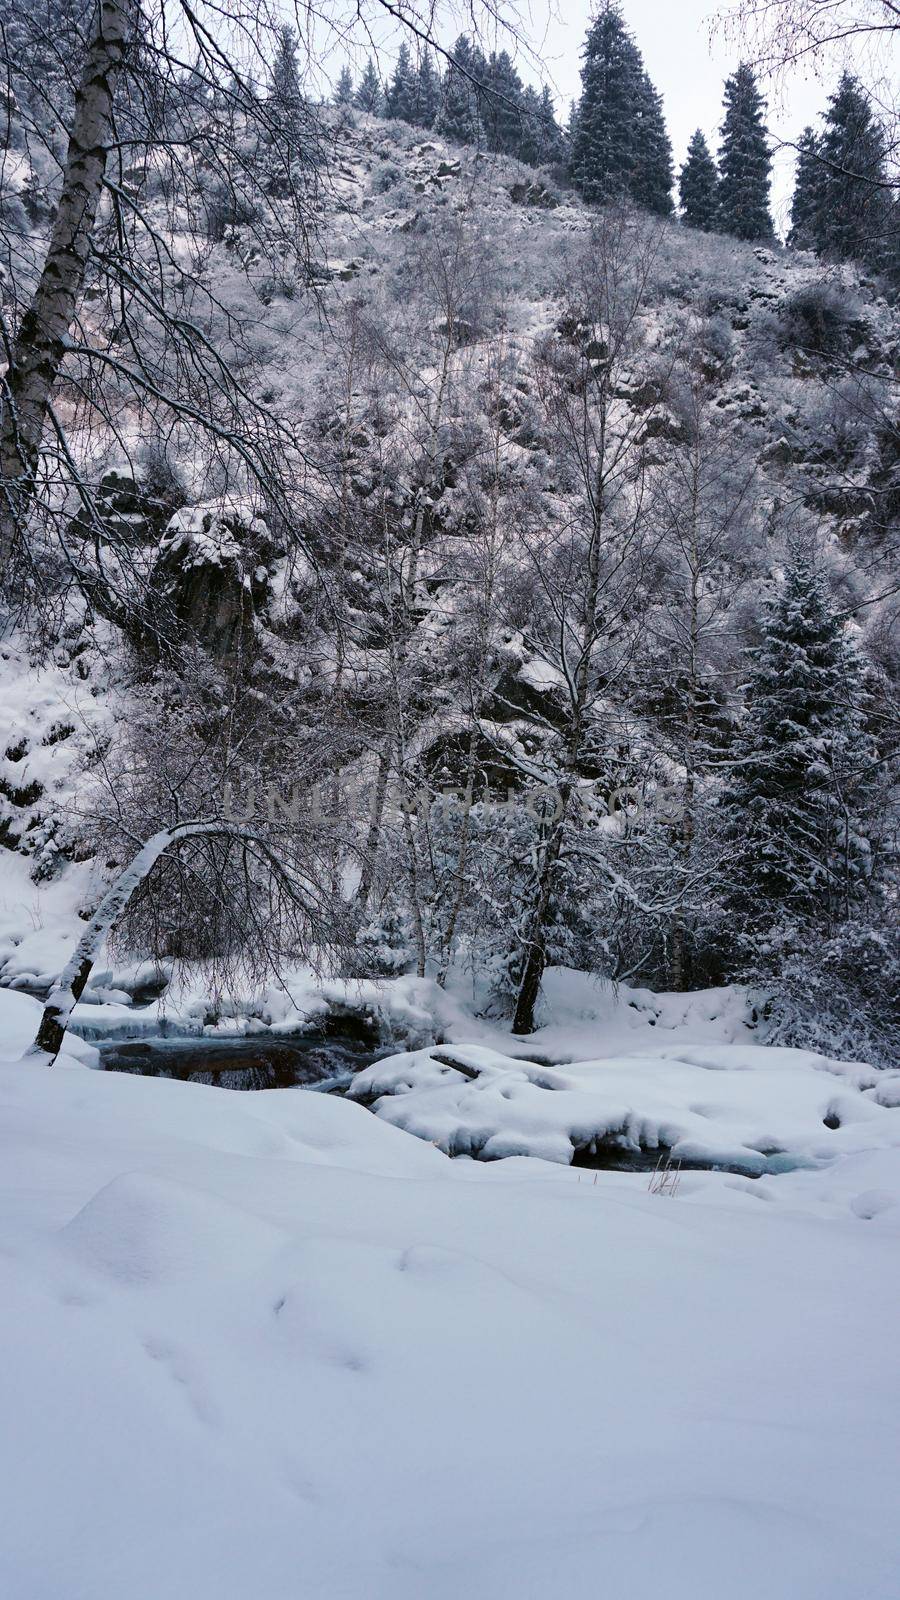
<point>267,1344</point>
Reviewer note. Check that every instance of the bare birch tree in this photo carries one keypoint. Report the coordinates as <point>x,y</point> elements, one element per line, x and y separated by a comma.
<point>588,569</point>
<point>117,320</point>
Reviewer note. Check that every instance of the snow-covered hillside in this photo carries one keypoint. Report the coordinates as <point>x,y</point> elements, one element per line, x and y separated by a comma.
<point>444,269</point>
<point>267,1344</point>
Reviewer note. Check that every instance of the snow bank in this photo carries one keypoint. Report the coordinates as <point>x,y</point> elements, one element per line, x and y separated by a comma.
<point>53,718</point>
<point>746,1108</point>
<point>38,921</point>
<point>266,1344</point>
<point>19,1018</point>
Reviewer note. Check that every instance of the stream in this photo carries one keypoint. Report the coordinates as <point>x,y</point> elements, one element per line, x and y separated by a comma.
<point>257,1061</point>
<point>325,1063</point>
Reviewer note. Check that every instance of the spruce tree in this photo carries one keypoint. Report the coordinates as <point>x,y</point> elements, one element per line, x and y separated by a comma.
<point>531,142</point>
<point>603,139</point>
<point>619,143</point>
<point>651,175</point>
<point>343,94</point>
<point>287,107</point>
<point>852,215</point>
<point>286,93</point>
<point>571,133</point>
<point>369,95</point>
<point>744,160</point>
<point>698,186</point>
<point>501,106</point>
<point>400,101</point>
<point>806,205</point>
<point>428,92</point>
<point>542,142</point>
<point>458,117</point>
<point>552,146</point>
<point>795,802</point>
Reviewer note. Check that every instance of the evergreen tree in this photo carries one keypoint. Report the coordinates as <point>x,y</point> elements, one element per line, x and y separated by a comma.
<point>744,160</point>
<point>698,186</point>
<point>286,92</point>
<point>501,106</point>
<point>343,94</point>
<point>458,117</point>
<point>619,143</point>
<point>552,140</point>
<point>852,220</point>
<point>603,141</point>
<point>795,803</point>
<point>369,96</point>
<point>297,143</point>
<point>806,206</point>
<point>531,143</point>
<point>542,142</point>
<point>652,176</point>
<point>428,92</point>
<point>401,99</point>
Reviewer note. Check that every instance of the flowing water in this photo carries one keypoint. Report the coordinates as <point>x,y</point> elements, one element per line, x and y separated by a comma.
<point>310,1061</point>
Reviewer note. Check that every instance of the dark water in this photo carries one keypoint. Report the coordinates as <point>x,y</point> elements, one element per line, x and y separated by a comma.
<point>314,1061</point>
<point>608,1155</point>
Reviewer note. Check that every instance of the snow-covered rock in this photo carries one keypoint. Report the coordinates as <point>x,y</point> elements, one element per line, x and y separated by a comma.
<point>741,1107</point>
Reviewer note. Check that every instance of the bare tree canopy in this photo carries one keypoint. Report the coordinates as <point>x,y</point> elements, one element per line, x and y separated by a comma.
<point>785,33</point>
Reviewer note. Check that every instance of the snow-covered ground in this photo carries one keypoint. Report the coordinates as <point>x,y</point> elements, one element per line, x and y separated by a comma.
<point>269,1345</point>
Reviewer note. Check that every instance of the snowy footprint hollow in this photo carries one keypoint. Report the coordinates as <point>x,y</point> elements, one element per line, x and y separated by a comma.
<point>270,1344</point>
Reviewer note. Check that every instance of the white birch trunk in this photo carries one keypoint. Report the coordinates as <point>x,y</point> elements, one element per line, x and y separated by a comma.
<point>44,330</point>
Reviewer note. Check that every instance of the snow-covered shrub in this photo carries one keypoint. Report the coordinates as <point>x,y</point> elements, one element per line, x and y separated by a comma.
<point>714,345</point>
<point>161,477</point>
<point>841,996</point>
<point>384,946</point>
<point>201,743</point>
<point>387,178</point>
<point>821,318</point>
<point>830,431</point>
<point>13,217</point>
<point>226,208</point>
